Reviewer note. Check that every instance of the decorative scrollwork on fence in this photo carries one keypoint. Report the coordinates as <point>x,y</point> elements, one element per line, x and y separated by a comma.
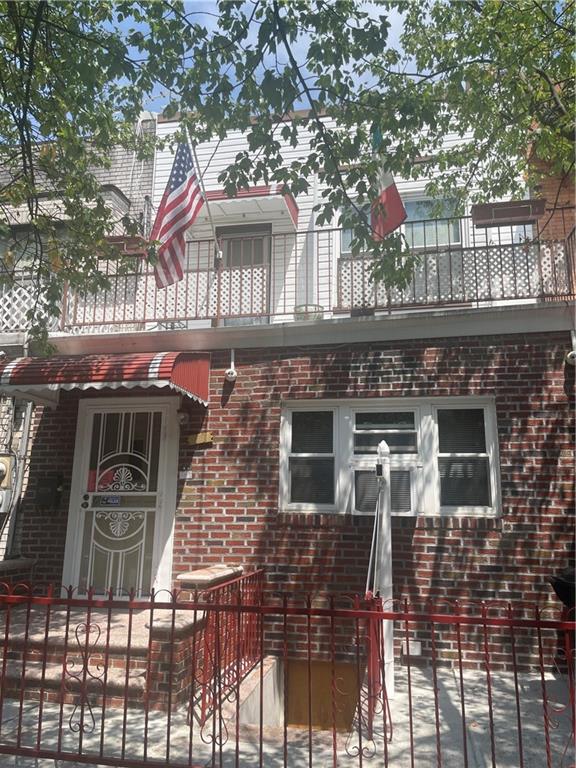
<point>83,679</point>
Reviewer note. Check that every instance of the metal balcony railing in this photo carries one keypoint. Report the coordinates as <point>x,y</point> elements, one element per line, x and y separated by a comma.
<point>313,275</point>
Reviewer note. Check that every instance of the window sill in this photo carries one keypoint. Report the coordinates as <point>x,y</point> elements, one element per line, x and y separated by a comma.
<point>464,514</point>
<point>335,520</point>
<point>454,522</point>
<point>325,520</point>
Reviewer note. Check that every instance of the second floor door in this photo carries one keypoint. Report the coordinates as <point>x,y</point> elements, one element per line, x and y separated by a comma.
<point>245,273</point>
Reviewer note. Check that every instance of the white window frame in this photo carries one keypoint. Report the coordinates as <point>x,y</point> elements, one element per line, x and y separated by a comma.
<point>425,488</point>
<point>410,198</point>
<point>436,245</point>
<point>339,236</point>
<point>398,461</point>
<point>286,454</point>
<point>491,439</point>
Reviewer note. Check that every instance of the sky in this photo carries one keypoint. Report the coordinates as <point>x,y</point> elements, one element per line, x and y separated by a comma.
<point>206,13</point>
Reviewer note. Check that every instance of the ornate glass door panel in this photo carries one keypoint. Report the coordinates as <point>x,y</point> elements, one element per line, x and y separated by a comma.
<point>120,501</point>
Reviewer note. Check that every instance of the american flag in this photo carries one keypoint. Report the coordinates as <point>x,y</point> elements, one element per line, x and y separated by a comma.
<point>181,201</point>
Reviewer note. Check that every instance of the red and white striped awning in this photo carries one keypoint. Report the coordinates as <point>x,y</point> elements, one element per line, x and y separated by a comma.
<point>41,378</point>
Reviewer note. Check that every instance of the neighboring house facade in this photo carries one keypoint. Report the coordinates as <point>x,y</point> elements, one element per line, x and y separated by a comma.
<point>149,458</point>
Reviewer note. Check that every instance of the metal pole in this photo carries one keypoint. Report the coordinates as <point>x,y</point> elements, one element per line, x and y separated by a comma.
<point>383,559</point>
<point>217,249</point>
<point>202,187</point>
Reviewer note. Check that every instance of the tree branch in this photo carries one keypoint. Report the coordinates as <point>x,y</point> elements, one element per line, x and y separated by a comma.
<point>553,89</point>
<point>552,20</point>
<point>317,118</point>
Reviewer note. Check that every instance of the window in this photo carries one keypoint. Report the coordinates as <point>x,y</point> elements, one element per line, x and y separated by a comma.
<point>245,247</point>
<point>430,223</point>
<point>347,232</point>
<point>443,456</point>
<point>312,457</point>
<point>398,429</point>
<point>463,463</point>
<point>346,236</point>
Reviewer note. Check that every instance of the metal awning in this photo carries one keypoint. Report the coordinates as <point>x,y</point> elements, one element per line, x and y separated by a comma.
<point>267,203</point>
<point>40,379</point>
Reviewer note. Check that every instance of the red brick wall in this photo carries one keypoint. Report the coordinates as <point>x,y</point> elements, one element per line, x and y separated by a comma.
<point>559,220</point>
<point>42,531</point>
<point>227,511</point>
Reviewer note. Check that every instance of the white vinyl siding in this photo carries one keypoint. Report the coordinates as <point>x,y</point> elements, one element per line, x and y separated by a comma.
<point>443,456</point>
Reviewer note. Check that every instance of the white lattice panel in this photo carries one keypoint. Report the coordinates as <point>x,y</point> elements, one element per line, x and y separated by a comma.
<point>554,269</point>
<point>355,288</point>
<point>112,305</point>
<point>512,271</point>
<point>503,272</point>
<point>242,292</point>
<point>437,279</point>
<point>16,302</point>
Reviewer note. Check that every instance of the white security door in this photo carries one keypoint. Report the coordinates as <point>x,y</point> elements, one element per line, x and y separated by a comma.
<point>119,527</point>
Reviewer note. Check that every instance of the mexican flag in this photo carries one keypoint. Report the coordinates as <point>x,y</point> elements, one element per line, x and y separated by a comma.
<point>388,210</point>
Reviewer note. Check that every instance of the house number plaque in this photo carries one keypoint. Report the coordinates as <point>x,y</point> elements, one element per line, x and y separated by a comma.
<point>110,501</point>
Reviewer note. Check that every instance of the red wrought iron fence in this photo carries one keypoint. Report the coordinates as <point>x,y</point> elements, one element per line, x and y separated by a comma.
<point>231,642</point>
<point>293,681</point>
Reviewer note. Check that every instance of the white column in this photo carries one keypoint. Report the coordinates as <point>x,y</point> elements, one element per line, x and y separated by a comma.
<point>383,560</point>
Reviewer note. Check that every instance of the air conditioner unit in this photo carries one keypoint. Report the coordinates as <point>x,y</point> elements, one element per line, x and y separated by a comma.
<point>510,213</point>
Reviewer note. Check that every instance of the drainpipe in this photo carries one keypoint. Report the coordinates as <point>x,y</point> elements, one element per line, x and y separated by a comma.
<point>20,458</point>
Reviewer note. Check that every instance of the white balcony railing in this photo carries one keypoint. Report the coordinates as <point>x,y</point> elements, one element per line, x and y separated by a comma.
<point>307,276</point>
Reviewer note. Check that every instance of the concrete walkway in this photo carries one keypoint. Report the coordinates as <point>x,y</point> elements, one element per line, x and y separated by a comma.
<point>456,738</point>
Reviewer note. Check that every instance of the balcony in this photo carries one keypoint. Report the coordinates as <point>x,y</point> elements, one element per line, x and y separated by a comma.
<point>306,276</point>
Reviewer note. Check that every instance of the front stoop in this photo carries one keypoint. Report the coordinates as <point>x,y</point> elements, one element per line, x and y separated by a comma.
<point>203,579</point>
<point>121,662</point>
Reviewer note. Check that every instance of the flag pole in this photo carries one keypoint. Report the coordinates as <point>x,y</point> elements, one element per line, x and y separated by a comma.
<point>203,190</point>
<point>218,255</point>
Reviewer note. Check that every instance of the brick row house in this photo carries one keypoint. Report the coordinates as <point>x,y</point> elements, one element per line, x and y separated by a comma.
<point>233,418</point>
